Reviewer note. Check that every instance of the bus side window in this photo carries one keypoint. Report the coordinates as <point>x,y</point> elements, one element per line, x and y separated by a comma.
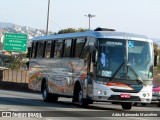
<point>85,50</point>
<point>67,48</point>
<point>88,47</point>
<point>33,49</point>
<point>58,48</point>
<point>80,42</point>
<point>48,49</point>
<point>52,48</point>
<point>40,49</point>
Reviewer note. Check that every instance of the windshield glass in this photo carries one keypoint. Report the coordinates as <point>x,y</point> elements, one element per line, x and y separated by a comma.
<point>111,56</point>
<point>140,58</point>
<point>114,62</point>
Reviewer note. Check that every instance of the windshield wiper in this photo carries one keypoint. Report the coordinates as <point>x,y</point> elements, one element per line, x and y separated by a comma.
<point>128,66</point>
<point>134,72</point>
<point>115,73</point>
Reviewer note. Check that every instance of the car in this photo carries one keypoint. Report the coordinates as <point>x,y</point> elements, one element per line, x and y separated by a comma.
<point>156,95</point>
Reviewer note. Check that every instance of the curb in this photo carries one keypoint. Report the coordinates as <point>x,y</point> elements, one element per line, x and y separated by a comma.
<point>14,86</point>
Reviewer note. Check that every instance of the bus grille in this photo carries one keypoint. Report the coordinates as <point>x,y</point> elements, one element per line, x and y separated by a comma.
<point>125,91</point>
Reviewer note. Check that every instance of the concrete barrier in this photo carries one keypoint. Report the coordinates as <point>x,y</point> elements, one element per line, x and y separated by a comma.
<point>14,80</point>
<point>17,76</point>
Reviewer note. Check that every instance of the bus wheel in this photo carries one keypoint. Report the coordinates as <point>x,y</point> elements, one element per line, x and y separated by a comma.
<point>82,102</point>
<point>48,97</point>
<point>126,105</point>
<point>45,94</point>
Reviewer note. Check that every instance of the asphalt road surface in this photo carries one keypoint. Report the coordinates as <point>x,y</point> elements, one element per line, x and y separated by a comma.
<point>16,105</point>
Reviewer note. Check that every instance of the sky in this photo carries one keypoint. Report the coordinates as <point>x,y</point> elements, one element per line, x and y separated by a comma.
<point>133,16</point>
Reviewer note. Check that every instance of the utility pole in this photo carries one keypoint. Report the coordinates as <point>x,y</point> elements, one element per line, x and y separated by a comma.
<point>89,16</point>
<point>48,17</point>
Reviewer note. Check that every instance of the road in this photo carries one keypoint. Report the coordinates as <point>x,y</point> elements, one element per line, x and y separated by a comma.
<point>25,104</point>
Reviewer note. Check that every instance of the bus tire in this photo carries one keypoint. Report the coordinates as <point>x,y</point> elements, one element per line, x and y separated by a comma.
<point>78,96</point>
<point>126,105</point>
<point>81,101</point>
<point>45,95</point>
<point>48,97</point>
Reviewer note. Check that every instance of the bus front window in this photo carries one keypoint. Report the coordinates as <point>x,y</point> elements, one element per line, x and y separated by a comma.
<point>111,56</point>
<point>115,60</point>
<point>140,58</point>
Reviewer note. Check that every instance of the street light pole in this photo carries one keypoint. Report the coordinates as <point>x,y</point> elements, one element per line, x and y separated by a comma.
<point>89,16</point>
<point>48,17</point>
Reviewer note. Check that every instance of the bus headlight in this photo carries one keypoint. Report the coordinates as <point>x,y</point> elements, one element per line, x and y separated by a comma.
<point>100,92</point>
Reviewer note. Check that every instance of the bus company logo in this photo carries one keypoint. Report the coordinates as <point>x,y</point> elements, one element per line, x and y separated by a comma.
<point>114,43</point>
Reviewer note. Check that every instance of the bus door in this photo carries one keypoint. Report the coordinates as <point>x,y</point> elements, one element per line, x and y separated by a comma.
<point>91,68</point>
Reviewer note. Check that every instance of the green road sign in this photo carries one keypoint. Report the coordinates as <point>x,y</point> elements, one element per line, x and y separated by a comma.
<point>15,42</point>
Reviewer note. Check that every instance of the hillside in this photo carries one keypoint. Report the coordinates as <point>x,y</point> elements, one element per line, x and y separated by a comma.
<point>14,28</point>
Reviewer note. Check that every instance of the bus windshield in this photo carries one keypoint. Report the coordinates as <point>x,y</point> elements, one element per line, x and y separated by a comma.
<point>125,61</point>
<point>140,58</point>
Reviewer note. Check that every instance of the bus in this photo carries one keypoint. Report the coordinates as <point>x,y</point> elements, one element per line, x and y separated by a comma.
<point>102,65</point>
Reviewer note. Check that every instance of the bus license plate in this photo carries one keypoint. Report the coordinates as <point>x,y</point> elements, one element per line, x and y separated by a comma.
<point>125,96</point>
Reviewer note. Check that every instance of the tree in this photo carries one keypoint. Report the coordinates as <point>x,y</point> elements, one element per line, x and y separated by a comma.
<point>156,53</point>
<point>71,30</point>
<point>81,30</point>
<point>15,62</point>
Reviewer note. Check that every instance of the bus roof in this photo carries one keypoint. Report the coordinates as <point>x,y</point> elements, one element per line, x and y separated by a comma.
<point>96,34</point>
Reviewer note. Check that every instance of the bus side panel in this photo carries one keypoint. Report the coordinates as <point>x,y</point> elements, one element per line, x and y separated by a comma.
<point>59,73</point>
<point>36,73</point>
<point>60,77</point>
<point>63,74</point>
